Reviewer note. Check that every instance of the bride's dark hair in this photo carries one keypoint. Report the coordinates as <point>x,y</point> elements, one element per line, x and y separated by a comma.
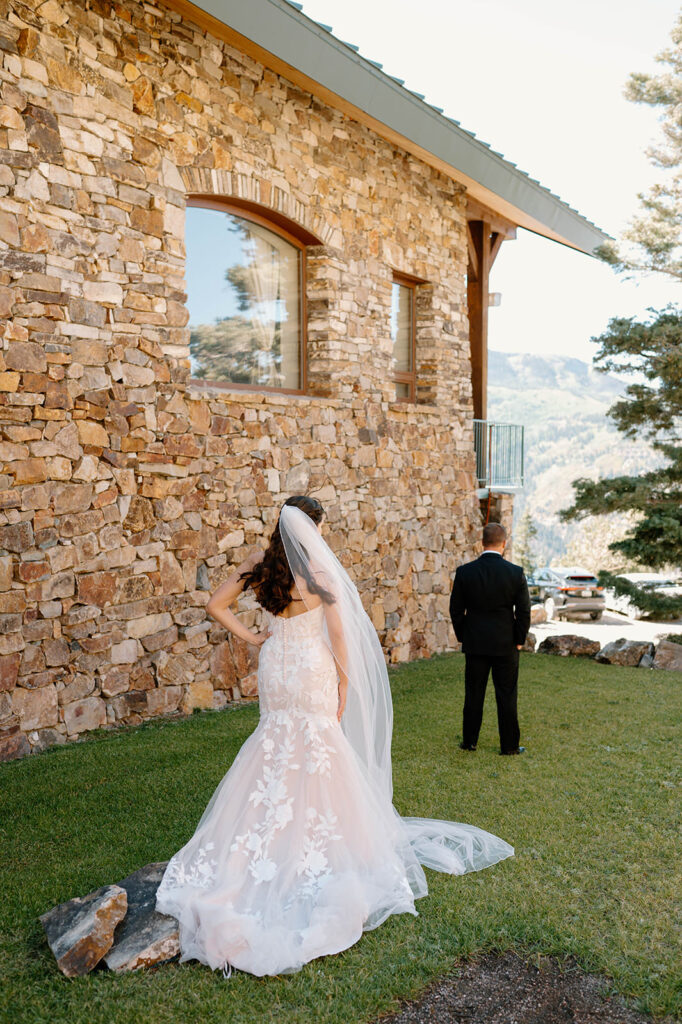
<point>272,578</point>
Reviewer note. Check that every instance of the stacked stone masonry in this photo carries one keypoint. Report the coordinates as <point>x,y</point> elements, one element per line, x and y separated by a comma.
<point>127,493</point>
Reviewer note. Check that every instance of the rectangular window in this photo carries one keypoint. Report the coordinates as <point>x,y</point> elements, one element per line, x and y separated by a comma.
<point>403,338</point>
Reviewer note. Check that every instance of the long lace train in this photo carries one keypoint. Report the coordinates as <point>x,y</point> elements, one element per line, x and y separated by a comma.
<point>297,852</point>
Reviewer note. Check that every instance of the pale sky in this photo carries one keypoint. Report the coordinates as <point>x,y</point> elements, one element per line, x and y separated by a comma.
<point>542,83</point>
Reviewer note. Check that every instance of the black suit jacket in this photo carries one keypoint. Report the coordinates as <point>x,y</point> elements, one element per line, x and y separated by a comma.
<point>490,606</point>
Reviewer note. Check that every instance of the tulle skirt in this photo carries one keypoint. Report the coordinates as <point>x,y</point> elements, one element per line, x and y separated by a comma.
<point>297,854</point>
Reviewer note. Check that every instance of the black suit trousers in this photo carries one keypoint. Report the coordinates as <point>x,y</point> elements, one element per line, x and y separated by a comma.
<point>505,670</point>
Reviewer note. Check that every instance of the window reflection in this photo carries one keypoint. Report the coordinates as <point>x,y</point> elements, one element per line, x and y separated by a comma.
<point>402,335</point>
<point>243,295</point>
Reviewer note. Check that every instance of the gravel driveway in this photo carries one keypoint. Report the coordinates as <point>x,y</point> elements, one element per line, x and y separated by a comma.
<point>612,626</point>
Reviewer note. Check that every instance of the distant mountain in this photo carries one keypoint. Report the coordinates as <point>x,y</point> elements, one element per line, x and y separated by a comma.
<point>514,369</point>
<point>562,402</point>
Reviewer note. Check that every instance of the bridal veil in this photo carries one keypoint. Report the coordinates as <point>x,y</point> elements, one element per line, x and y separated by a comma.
<point>446,846</point>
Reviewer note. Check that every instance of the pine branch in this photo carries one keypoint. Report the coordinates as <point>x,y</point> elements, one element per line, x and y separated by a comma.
<point>622,494</point>
<point>647,601</point>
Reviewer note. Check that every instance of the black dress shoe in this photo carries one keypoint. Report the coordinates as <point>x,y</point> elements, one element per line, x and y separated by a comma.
<point>519,750</point>
<point>467,746</point>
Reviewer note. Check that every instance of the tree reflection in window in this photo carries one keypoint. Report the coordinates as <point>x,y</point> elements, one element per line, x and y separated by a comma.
<point>243,294</point>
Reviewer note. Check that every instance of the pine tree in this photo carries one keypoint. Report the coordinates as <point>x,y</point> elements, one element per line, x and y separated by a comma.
<point>523,544</point>
<point>655,236</point>
<point>227,350</point>
<point>652,409</point>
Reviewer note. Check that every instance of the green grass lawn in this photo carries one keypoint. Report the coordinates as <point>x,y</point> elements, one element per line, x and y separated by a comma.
<point>592,809</point>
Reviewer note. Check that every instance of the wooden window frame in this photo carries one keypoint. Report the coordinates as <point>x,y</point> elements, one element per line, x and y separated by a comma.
<point>401,377</point>
<point>279,225</point>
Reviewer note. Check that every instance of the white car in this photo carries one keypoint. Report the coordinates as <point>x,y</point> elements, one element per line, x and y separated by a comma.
<point>567,590</point>
<point>656,581</point>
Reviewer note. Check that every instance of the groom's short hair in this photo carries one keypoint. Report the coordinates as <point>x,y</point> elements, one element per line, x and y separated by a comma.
<point>494,535</point>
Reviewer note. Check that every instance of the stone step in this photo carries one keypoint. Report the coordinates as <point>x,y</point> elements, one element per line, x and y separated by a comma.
<point>144,937</point>
<point>80,931</point>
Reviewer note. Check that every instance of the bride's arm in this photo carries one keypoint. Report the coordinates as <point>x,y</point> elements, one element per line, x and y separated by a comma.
<point>340,651</point>
<point>226,594</point>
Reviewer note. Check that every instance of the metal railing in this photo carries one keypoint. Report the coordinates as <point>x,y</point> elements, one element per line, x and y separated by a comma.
<point>499,454</point>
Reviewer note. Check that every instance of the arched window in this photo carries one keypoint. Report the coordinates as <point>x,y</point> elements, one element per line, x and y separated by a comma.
<point>245,297</point>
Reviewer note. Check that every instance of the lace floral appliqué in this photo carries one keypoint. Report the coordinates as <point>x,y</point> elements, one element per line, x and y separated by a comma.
<point>198,872</point>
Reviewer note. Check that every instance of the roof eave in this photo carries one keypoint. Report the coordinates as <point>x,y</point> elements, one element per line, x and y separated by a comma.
<point>293,45</point>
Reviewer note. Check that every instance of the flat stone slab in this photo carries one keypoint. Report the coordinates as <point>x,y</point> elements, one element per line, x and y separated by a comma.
<point>570,645</point>
<point>669,656</point>
<point>504,989</point>
<point>624,652</point>
<point>144,937</point>
<point>80,931</point>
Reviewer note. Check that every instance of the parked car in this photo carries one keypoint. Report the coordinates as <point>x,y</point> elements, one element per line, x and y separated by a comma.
<point>656,581</point>
<point>567,591</point>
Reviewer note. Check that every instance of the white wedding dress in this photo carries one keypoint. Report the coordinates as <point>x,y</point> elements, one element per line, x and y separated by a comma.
<point>300,849</point>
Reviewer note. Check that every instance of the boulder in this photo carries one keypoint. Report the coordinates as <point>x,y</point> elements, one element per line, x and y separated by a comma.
<point>668,655</point>
<point>569,644</point>
<point>537,614</point>
<point>144,937</point>
<point>81,931</point>
<point>530,643</point>
<point>624,652</point>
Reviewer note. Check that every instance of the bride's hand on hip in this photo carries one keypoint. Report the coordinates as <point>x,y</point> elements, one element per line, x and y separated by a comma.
<point>258,639</point>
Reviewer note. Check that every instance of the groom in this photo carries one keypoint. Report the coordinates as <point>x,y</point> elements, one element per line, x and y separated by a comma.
<point>490,612</point>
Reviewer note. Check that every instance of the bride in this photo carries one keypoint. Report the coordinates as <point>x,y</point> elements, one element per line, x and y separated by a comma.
<point>300,848</point>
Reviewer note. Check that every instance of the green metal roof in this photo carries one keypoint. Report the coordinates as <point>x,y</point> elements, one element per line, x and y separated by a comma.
<point>282,29</point>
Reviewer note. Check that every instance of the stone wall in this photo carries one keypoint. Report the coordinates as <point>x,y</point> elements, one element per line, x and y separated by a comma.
<point>499,508</point>
<point>126,491</point>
